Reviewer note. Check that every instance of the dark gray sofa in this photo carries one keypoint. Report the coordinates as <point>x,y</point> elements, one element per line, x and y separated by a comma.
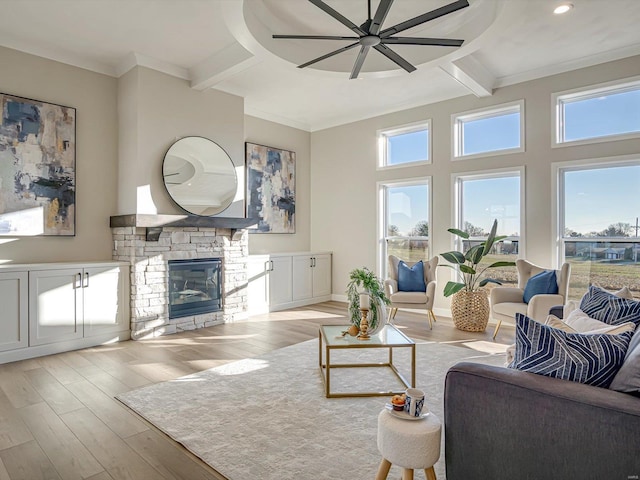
<point>504,424</point>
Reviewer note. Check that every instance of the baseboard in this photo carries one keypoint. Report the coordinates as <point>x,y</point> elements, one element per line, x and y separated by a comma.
<point>59,347</point>
<point>339,298</point>
<point>444,312</point>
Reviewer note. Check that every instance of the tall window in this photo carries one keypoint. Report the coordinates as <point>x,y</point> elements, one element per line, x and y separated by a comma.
<point>481,199</point>
<point>406,145</point>
<point>608,112</point>
<point>599,229</point>
<point>491,131</point>
<point>405,220</point>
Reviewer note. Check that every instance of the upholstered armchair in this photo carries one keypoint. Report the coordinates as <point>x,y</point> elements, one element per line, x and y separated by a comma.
<point>507,301</point>
<point>415,300</point>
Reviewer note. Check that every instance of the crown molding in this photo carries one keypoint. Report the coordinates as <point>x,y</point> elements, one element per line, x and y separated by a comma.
<point>56,56</point>
<point>569,66</point>
<point>272,117</point>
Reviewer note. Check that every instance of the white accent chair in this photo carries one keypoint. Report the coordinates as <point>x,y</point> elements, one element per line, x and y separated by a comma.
<point>411,300</point>
<point>507,301</point>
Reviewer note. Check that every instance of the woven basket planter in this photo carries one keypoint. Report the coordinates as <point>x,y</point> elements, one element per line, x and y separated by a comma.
<point>470,310</point>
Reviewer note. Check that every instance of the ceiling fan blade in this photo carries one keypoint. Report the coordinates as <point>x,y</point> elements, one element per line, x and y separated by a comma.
<point>315,37</point>
<point>441,42</point>
<point>359,62</point>
<point>330,54</point>
<point>394,57</point>
<point>381,13</point>
<point>425,17</point>
<point>338,16</point>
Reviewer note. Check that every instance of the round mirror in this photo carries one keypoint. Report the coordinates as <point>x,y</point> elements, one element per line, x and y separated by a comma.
<point>199,176</point>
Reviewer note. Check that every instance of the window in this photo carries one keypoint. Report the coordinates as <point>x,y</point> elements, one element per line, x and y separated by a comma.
<point>405,145</point>
<point>483,198</point>
<point>404,221</point>
<point>608,112</point>
<point>599,231</point>
<point>495,131</point>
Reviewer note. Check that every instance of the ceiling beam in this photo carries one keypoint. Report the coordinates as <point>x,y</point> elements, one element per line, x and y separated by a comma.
<point>470,73</point>
<point>221,65</point>
<point>135,59</point>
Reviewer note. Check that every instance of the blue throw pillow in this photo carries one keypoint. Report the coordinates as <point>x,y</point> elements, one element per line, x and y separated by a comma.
<point>411,279</point>
<point>609,308</point>
<point>593,359</point>
<point>543,282</point>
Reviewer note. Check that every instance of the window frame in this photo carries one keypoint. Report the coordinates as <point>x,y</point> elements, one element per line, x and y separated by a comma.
<point>456,212</point>
<point>586,93</point>
<point>383,134</point>
<point>382,211</point>
<point>558,215</point>
<point>457,137</point>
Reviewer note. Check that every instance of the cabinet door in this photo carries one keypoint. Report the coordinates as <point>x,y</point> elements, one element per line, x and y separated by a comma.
<point>302,277</point>
<point>14,325</point>
<point>55,305</point>
<point>257,283</point>
<point>104,300</point>
<point>321,275</point>
<point>280,281</point>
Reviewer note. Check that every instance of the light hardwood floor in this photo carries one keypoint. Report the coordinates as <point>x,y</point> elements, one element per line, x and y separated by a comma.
<point>59,420</point>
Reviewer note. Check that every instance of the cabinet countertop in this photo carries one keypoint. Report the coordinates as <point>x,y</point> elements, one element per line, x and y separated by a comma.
<point>17,267</point>
<point>289,254</point>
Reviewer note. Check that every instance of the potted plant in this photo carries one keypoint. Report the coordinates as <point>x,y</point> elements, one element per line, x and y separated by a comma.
<point>363,280</point>
<point>470,305</point>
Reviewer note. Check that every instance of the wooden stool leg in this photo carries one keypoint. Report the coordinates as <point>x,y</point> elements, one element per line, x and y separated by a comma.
<point>430,473</point>
<point>383,470</point>
<point>407,474</point>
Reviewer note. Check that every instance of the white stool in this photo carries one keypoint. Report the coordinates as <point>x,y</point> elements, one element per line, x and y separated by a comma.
<point>410,444</point>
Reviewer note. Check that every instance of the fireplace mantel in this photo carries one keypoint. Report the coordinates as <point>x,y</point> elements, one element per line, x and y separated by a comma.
<point>154,223</point>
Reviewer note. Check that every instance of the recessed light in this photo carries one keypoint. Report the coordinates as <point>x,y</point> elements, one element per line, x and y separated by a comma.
<point>564,8</point>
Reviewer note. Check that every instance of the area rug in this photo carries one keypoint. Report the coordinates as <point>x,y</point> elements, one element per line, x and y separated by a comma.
<point>267,418</point>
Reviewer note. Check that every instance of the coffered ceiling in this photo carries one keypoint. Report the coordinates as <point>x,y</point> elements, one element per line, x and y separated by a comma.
<point>227,45</point>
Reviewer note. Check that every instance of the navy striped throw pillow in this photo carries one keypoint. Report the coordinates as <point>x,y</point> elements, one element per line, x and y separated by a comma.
<point>593,359</point>
<point>609,308</point>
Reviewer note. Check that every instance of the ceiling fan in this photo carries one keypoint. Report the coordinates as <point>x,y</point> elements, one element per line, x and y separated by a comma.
<point>370,34</point>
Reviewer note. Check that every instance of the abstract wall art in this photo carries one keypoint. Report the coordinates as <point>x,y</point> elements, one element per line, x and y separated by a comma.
<point>37,167</point>
<point>271,188</point>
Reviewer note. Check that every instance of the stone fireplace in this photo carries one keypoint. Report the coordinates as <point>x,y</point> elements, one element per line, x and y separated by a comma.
<point>148,248</point>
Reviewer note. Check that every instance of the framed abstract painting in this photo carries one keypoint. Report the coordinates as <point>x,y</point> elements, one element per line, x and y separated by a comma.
<point>37,167</point>
<point>271,188</point>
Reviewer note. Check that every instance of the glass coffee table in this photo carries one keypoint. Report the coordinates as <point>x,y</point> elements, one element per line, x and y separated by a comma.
<point>330,338</point>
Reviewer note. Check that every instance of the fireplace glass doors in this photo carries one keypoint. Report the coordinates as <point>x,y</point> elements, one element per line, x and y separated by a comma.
<point>195,286</point>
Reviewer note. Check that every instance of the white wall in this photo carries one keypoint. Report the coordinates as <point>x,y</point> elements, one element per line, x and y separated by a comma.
<point>124,127</point>
<point>344,175</point>
<point>272,134</point>
<point>94,97</point>
<point>155,110</point>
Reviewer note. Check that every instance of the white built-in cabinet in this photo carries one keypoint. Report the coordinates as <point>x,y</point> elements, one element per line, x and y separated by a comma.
<point>57,307</point>
<point>14,326</point>
<point>287,280</point>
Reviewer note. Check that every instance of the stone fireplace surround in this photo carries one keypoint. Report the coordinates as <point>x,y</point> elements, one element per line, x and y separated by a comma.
<point>134,240</point>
